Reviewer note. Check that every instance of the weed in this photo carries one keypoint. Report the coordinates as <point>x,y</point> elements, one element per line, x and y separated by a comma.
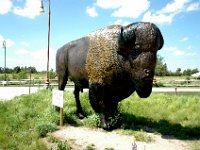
<point>91,121</point>
<point>90,147</point>
<point>109,149</point>
<point>63,146</point>
<point>52,139</point>
<point>138,135</point>
<point>43,129</point>
<point>142,136</point>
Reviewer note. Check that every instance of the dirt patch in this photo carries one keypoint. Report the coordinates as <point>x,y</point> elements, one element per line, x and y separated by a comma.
<point>80,137</point>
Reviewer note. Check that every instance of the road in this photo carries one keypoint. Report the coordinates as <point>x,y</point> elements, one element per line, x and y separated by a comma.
<point>7,93</point>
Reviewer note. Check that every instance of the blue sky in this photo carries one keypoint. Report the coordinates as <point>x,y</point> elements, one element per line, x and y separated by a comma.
<point>25,30</point>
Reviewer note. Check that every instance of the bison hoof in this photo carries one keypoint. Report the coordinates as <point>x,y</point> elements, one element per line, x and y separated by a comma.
<point>80,115</point>
<point>105,126</point>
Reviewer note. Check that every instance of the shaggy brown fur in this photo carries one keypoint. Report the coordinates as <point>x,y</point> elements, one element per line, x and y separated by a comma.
<point>102,62</point>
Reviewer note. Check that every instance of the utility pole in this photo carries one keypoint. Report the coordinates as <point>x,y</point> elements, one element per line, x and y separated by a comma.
<point>4,46</point>
<point>48,45</point>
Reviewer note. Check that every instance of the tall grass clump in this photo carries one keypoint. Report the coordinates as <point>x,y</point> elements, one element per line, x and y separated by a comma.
<point>25,119</point>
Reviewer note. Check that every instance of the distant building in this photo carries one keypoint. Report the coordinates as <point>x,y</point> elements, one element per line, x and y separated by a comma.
<point>196,75</point>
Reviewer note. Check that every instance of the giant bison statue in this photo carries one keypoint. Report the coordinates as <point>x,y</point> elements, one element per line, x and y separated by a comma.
<point>112,62</point>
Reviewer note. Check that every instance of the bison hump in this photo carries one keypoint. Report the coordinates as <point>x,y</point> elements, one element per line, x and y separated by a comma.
<point>102,58</point>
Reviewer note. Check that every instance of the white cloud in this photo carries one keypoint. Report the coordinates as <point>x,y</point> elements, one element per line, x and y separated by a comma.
<point>158,18</point>
<point>22,52</point>
<point>167,13</point>
<point>124,8</point>
<point>134,9</point>
<point>131,8</point>
<point>193,7</point>
<point>184,39</point>
<point>175,6</point>
<point>191,54</point>
<point>121,22</point>
<point>109,4</point>
<point>9,42</point>
<point>5,6</point>
<point>118,22</point>
<point>30,10</point>
<point>23,43</point>
<point>91,11</point>
<point>39,59</point>
<point>189,47</point>
<point>36,58</point>
<point>177,52</point>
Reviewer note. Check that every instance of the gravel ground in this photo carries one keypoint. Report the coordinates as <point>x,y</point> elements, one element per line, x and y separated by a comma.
<point>80,137</point>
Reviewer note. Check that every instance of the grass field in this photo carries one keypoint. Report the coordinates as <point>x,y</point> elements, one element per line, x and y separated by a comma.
<point>27,118</point>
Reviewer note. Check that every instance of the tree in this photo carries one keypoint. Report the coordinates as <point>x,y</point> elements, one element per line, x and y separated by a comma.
<point>161,67</point>
<point>189,72</point>
<point>32,69</point>
<point>1,70</point>
<point>178,72</point>
<point>52,74</point>
<point>17,69</point>
<point>194,71</point>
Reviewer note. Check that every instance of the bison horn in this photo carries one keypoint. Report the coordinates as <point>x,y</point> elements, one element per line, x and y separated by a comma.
<point>160,40</point>
<point>141,37</point>
<point>126,39</point>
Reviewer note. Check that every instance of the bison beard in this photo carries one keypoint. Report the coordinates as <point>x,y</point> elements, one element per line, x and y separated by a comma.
<point>112,62</point>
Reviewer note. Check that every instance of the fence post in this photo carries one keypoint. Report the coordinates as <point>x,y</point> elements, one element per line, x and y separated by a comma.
<point>61,117</point>
<point>175,90</point>
<point>30,83</point>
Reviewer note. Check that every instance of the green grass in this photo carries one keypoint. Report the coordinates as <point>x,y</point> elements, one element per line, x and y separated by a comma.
<point>24,119</point>
<point>163,113</point>
<point>27,118</point>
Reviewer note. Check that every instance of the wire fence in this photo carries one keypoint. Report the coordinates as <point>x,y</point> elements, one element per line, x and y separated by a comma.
<point>179,83</point>
<point>54,82</point>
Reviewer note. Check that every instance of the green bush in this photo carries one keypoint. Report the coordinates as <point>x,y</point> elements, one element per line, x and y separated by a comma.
<point>159,84</point>
<point>63,146</point>
<point>90,147</point>
<point>22,75</point>
<point>43,129</point>
<point>52,75</point>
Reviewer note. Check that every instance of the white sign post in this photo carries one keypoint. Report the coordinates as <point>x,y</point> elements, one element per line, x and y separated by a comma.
<point>58,98</point>
<point>58,101</point>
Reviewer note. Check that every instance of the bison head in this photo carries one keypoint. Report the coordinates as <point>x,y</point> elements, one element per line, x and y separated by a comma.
<point>138,44</point>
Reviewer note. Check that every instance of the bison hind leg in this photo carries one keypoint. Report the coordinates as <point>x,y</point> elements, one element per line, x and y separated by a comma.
<point>79,111</point>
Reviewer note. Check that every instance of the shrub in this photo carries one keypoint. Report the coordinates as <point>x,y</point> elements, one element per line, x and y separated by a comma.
<point>43,129</point>
<point>63,146</point>
<point>22,75</point>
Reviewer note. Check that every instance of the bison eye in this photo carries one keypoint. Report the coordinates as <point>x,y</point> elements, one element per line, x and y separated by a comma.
<point>135,54</point>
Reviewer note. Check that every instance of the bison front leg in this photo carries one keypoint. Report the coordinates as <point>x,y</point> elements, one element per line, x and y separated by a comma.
<point>97,101</point>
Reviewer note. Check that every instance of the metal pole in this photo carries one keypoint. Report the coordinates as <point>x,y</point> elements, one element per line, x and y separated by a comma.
<point>30,81</point>
<point>4,45</point>
<point>175,90</point>
<point>48,46</point>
